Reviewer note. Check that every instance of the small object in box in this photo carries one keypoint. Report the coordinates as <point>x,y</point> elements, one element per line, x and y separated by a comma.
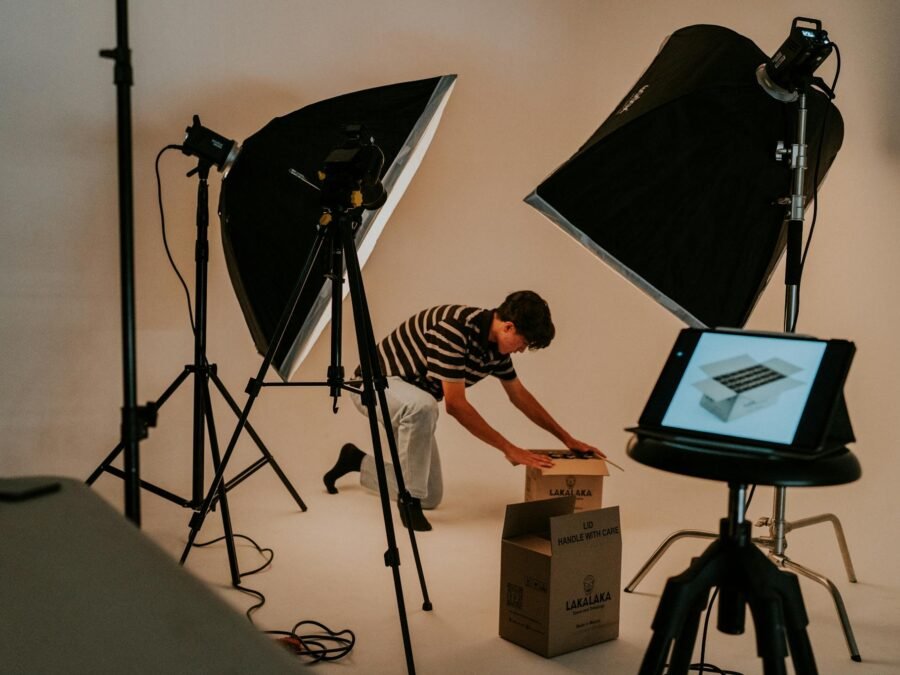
<point>572,474</point>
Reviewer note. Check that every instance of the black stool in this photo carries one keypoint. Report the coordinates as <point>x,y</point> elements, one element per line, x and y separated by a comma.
<point>732,563</point>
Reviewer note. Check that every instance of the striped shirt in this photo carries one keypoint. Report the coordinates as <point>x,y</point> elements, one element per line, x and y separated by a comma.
<point>448,343</point>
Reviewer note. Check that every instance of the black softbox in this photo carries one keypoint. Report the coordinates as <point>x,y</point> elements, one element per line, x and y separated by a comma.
<point>679,189</point>
<point>269,205</point>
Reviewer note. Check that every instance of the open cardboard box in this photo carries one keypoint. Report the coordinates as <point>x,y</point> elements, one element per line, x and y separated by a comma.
<point>560,576</point>
<point>571,475</point>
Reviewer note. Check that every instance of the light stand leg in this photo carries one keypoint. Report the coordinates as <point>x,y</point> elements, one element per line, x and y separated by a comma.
<point>226,516</point>
<point>835,596</point>
<point>253,389</point>
<point>838,533</point>
<point>661,549</point>
<point>267,457</point>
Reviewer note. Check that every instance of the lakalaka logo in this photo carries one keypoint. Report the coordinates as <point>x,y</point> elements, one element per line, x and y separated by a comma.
<point>590,599</point>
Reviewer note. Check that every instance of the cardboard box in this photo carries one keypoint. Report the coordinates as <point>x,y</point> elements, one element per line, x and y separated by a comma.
<point>571,475</point>
<point>560,576</point>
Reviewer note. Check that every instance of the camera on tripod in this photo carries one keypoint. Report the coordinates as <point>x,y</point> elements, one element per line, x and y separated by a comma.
<point>351,174</point>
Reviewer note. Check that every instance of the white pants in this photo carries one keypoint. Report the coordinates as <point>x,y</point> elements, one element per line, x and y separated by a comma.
<point>414,415</point>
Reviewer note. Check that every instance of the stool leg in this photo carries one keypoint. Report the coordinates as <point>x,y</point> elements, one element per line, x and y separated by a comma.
<point>795,627</point>
<point>683,649</point>
<point>766,594</point>
<point>768,621</point>
<point>676,614</point>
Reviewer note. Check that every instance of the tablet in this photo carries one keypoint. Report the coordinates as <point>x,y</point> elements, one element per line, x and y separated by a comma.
<point>763,391</point>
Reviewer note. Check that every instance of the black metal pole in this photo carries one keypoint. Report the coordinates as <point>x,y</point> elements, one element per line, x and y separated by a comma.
<point>201,376</point>
<point>130,429</point>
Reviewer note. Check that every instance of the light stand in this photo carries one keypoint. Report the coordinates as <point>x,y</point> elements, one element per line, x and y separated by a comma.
<point>131,423</point>
<point>202,372</point>
<point>786,77</point>
<point>778,526</point>
<point>335,239</point>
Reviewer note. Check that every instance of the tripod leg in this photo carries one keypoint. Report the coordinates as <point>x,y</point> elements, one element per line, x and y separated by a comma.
<point>404,496</point>
<point>256,439</point>
<point>226,516</point>
<point>368,366</point>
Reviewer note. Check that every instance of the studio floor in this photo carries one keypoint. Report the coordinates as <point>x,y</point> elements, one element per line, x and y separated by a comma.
<point>328,567</point>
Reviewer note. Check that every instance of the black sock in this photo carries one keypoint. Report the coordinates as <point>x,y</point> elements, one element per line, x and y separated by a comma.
<point>349,459</point>
<point>416,518</point>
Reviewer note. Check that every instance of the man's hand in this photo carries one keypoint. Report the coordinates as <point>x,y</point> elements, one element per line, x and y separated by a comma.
<point>584,448</point>
<point>516,456</point>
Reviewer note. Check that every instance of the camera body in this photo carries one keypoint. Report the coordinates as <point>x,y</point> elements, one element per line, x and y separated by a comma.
<point>354,167</point>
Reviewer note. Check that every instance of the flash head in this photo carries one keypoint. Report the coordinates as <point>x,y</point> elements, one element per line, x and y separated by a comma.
<point>208,146</point>
<point>796,60</point>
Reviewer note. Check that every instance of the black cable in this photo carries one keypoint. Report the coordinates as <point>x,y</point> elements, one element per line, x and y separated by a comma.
<point>246,589</point>
<point>812,226</point>
<point>315,646</point>
<point>327,645</point>
<point>162,218</point>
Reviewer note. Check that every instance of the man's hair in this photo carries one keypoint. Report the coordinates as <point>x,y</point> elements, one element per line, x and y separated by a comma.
<point>530,314</point>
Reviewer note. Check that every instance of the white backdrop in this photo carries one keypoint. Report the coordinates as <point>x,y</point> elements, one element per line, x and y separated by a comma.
<point>535,79</point>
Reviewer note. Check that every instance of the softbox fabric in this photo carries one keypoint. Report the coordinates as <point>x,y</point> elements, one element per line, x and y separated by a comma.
<point>678,189</point>
<point>269,213</point>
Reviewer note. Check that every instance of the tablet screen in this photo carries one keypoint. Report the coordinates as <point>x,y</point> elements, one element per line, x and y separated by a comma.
<point>746,386</point>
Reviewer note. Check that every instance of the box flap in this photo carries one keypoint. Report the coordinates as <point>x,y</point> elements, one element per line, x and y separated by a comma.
<point>568,463</point>
<point>532,517</point>
<point>585,528</point>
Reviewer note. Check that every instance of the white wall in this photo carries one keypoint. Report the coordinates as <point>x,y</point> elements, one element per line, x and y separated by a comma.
<point>535,79</point>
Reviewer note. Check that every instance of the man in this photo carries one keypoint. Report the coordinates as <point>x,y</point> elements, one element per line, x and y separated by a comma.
<point>434,355</point>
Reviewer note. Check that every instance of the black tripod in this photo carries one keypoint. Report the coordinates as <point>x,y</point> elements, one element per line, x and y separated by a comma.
<point>203,372</point>
<point>744,576</point>
<point>335,238</point>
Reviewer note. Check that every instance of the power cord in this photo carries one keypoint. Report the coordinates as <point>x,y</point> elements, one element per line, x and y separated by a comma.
<point>244,589</point>
<point>162,219</point>
<point>327,645</point>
